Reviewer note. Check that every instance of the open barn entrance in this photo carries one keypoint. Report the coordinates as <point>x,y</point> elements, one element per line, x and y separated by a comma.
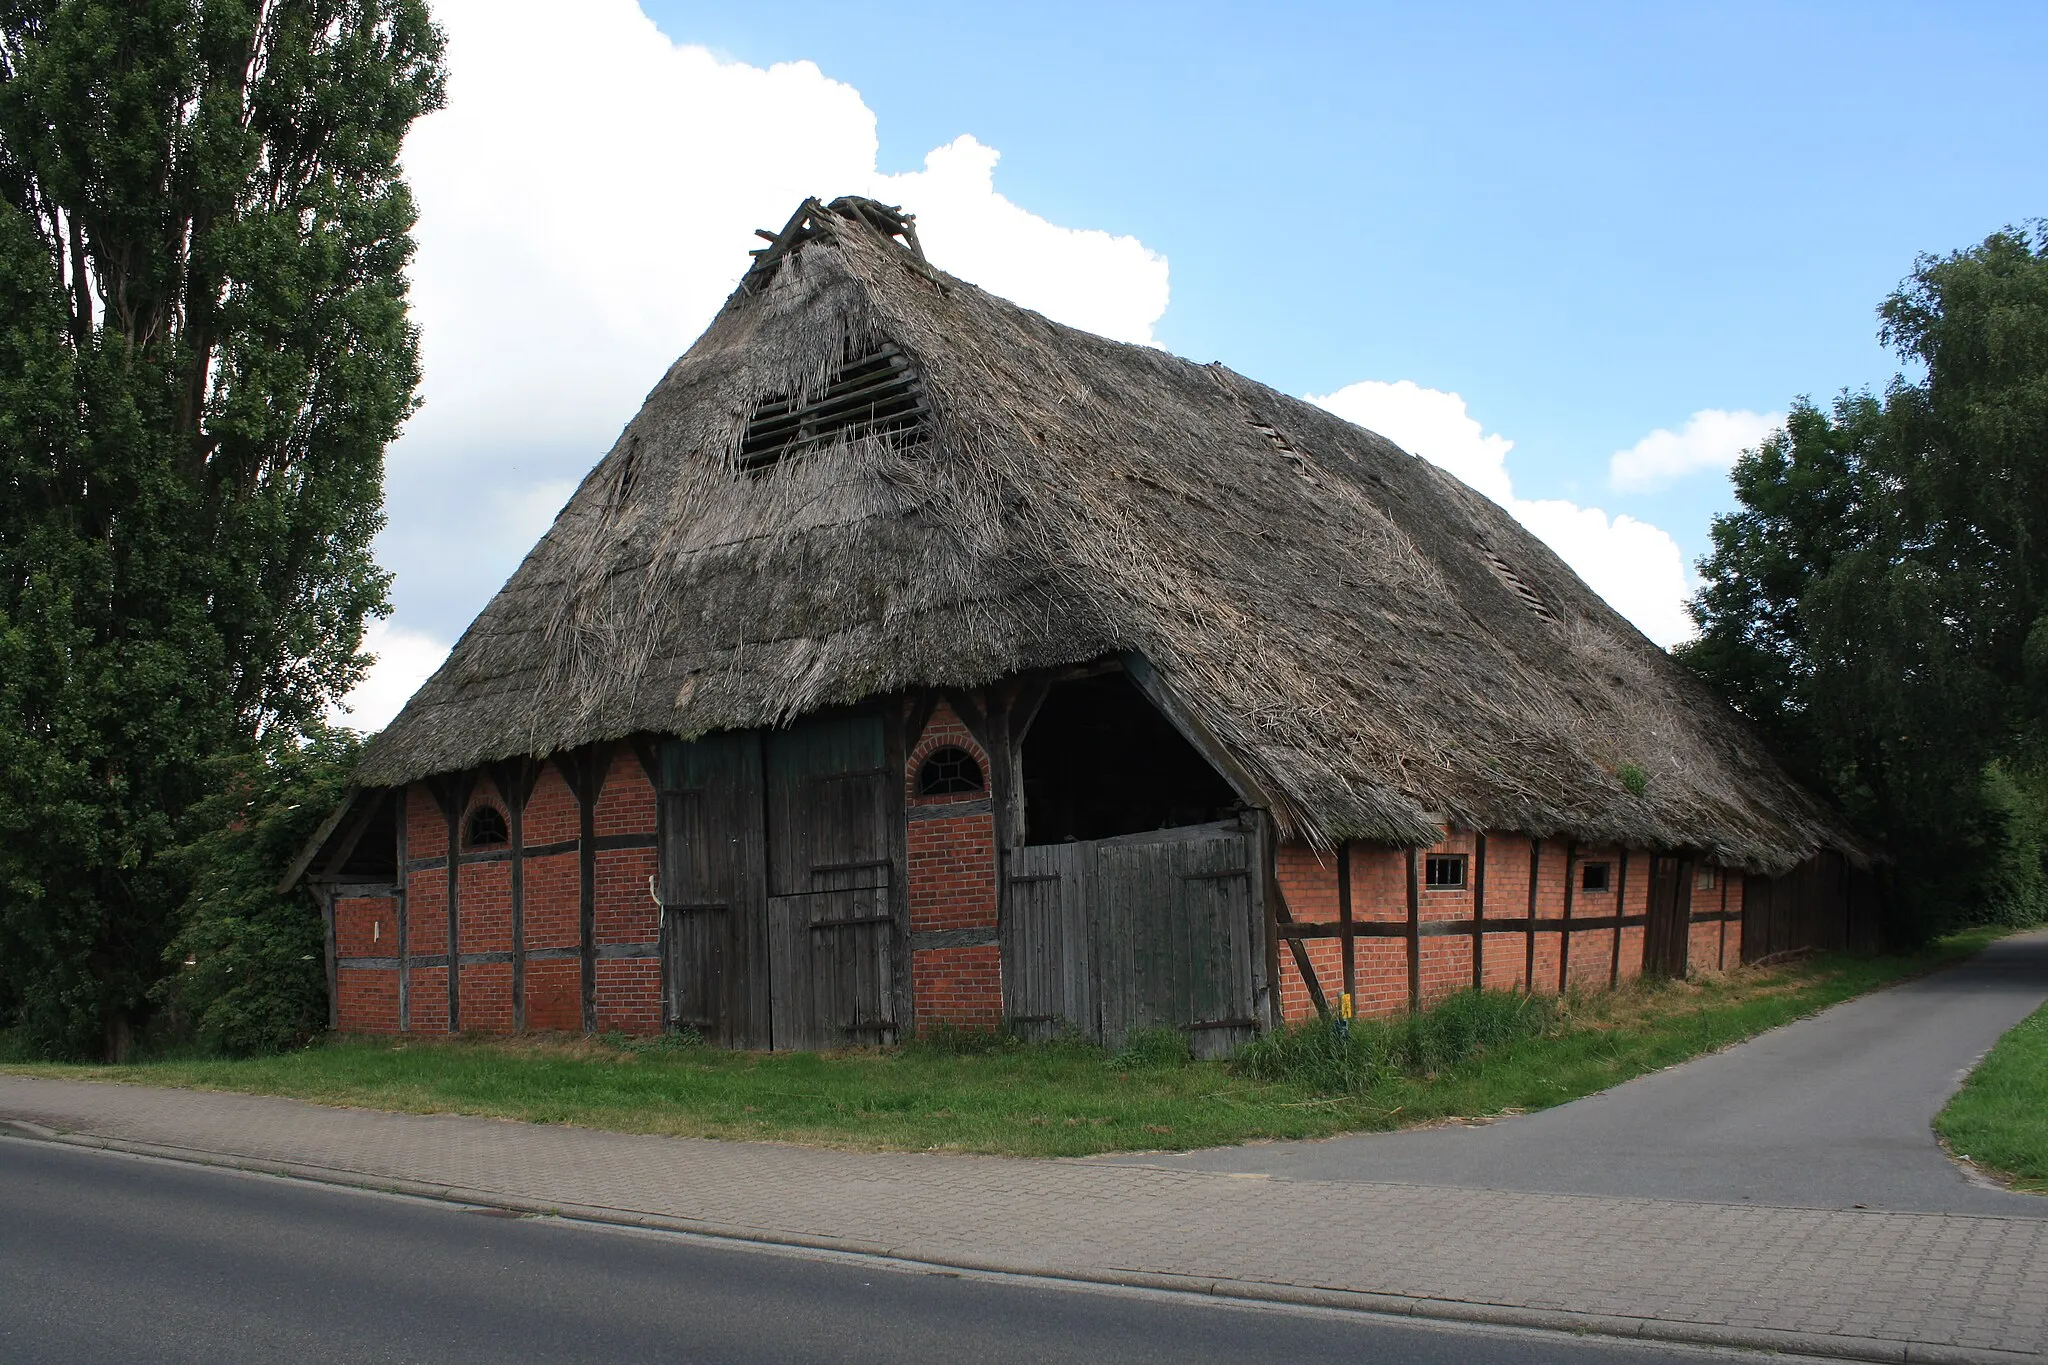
<point>1100,761</point>
<point>1135,902</point>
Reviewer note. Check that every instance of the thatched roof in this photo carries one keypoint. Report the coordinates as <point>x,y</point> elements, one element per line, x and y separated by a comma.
<point>1378,646</point>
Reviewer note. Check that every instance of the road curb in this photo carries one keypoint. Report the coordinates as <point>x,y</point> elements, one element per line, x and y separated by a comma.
<point>1812,1345</point>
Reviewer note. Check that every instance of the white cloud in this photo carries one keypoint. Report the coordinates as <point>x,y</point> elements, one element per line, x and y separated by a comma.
<point>1638,568</point>
<point>1710,440</point>
<point>587,200</point>
<point>403,660</point>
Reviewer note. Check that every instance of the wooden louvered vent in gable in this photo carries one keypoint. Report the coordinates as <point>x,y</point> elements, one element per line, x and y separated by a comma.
<point>874,395</point>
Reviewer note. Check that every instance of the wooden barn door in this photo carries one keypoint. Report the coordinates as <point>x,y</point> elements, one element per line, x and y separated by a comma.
<point>1145,931</point>
<point>713,888</point>
<point>1667,936</point>
<point>1048,957</point>
<point>832,799</point>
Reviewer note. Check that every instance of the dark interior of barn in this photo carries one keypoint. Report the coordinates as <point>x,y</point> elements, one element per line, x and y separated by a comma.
<point>1099,761</point>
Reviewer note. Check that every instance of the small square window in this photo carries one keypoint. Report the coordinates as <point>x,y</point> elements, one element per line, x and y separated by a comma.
<point>1593,877</point>
<point>1444,872</point>
<point>1706,878</point>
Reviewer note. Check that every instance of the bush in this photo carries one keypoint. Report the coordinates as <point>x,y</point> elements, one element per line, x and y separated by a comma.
<point>249,970</point>
<point>1318,1056</point>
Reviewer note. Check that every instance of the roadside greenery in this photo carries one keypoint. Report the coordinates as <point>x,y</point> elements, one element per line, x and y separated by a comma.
<point>204,349</point>
<point>1878,601</point>
<point>1472,1057</point>
<point>1999,1119</point>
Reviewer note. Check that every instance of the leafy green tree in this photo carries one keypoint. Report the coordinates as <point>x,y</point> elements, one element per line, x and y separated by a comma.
<point>204,349</point>
<point>1876,602</point>
<point>250,971</point>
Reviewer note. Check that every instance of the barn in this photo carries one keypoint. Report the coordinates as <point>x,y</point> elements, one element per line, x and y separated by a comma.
<point>913,660</point>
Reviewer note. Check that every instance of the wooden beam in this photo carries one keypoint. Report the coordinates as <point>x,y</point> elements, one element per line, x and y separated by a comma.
<point>404,935</point>
<point>1479,912</point>
<point>1414,936</point>
<point>1147,680</point>
<point>1564,943</point>
<point>311,850</point>
<point>1344,917</point>
<point>585,770</point>
<point>1284,918</point>
<point>453,794</point>
<point>325,896</point>
<point>1535,883</point>
<point>1721,962</point>
<point>1621,908</point>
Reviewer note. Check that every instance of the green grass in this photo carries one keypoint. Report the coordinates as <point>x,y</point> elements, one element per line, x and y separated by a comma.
<point>1472,1058</point>
<point>1999,1119</point>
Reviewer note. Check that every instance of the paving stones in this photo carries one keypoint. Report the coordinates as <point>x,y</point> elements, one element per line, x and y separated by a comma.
<point>1864,1284</point>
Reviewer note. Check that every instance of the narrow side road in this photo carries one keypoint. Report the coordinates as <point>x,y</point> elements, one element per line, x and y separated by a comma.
<point>112,1258</point>
<point>1833,1112</point>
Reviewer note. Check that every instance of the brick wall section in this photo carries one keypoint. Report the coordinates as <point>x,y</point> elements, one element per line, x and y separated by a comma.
<point>959,986</point>
<point>367,999</point>
<point>551,814</point>
<point>1379,883</point>
<point>366,926</point>
<point>952,886</point>
<point>628,989</point>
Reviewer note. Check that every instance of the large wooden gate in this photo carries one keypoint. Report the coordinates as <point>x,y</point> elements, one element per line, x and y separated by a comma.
<point>776,862</point>
<point>831,928</point>
<point>1111,936</point>
<point>714,889</point>
<point>1667,935</point>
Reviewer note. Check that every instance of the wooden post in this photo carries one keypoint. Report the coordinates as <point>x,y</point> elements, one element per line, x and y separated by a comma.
<point>1479,912</point>
<point>325,895</point>
<point>1414,936</point>
<point>1620,911</point>
<point>1564,932</point>
<point>404,938</point>
<point>1721,961</point>
<point>1344,920</point>
<point>897,744</point>
<point>455,797</point>
<point>1535,882</point>
<point>585,771</point>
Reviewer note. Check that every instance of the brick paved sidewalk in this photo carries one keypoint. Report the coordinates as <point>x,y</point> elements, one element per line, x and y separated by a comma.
<point>1864,1285</point>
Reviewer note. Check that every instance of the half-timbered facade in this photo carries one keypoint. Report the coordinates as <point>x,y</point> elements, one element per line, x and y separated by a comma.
<point>914,661</point>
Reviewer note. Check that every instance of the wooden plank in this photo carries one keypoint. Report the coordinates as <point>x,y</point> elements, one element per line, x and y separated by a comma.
<point>1414,935</point>
<point>896,979</point>
<point>453,793</point>
<point>1344,918</point>
<point>1620,908</point>
<point>404,936</point>
<point>311,849</point>
<point>1479,912</point>
<point>1564,942</point>
<point>325,897</point>
<point>1529,947</point>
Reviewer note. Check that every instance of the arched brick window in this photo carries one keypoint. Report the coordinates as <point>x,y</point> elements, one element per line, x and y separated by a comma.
<point>487,828</point>
<point>950,771</point>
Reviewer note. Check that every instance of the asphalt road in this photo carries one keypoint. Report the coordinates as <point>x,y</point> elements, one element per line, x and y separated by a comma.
<point>111,1258</point>
<point>1835,1111</point>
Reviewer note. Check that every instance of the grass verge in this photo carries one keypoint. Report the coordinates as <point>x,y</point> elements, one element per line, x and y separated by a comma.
<point>1475,1057</point>
<point>1999,1119</point>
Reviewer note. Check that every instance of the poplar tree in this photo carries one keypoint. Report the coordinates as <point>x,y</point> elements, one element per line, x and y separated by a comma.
<point>204,350</point>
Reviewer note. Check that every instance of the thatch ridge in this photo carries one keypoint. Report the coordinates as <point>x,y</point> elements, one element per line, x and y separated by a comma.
<point>1319,599</point>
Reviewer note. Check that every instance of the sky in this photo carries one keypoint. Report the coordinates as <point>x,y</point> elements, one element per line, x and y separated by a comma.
<point>1579,255</point>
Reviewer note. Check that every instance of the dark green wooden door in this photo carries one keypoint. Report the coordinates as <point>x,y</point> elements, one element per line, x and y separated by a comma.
<point>833,805</point>
<point>714,888</point>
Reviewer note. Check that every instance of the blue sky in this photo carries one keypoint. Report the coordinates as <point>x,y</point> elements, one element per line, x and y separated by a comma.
<point>1588,222</point>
